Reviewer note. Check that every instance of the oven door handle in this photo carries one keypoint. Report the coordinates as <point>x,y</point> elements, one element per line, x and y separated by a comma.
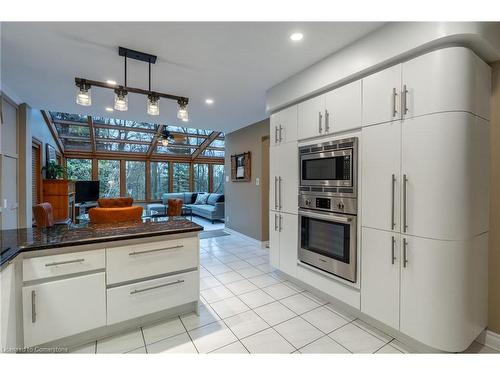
<point>341,219</point>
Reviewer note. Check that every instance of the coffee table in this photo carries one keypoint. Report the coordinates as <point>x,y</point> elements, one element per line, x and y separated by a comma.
<point>146,214</point>
<point>187,211</point>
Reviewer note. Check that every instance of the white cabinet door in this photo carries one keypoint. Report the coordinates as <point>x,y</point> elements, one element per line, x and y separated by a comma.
<point>289,244</point>
<point>288,180</point>
<point>311,117</point>
<point>380,161</point>
<point>288,122</point>
<point>343,108</point>
<point>274,122</point>
<point>274,239</point>
<point>274,162</point>
<point>381,96</point>
<point>438,166</point>
<point>444,80</point>
<point>63,308</point>
<point>439,284</point>
<point>380,259</point>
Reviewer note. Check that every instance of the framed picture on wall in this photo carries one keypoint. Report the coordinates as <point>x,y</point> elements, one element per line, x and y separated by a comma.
<point>50,154</point>
<point>240,167</point>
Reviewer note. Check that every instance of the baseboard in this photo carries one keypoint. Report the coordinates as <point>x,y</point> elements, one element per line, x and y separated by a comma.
<point>490,339</point>
<point>236,233</point>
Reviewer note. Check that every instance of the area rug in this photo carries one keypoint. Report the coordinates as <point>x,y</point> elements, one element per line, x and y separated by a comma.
<point>213,233</point>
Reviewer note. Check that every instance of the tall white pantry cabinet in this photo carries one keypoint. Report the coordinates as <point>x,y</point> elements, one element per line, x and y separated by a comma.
<point>283,194</point>
<point>425,197</point>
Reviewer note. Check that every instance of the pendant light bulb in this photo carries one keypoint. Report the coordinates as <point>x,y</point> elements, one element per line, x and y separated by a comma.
<point>83,96</point>
<point>182,113</point>
<point>153,106</point>
<point>164,142</point>
<point>121,100</point>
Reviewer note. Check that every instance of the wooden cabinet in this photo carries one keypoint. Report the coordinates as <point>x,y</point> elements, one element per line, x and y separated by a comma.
<point>380,262</point>
<point>381,176</point>
<point>61,195</point>
<point>382,96</point>
<point>61,308</point>
<point>343,108</point>
<point>284,178</point>
<point>284,126</point>
<point>283,242</point>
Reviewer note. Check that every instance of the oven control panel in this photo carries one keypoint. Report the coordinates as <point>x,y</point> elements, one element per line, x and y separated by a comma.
<point>330,204</point>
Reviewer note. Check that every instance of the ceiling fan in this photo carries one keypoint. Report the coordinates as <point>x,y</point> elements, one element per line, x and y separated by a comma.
<point>167,137</point>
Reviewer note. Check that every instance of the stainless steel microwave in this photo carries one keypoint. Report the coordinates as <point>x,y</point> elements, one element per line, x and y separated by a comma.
<point>329,167</point>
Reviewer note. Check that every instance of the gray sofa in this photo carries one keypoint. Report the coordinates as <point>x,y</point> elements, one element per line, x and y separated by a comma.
<point>212,210</point>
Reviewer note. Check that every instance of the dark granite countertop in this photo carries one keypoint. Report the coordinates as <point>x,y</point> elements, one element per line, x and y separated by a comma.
<point>15,241</point>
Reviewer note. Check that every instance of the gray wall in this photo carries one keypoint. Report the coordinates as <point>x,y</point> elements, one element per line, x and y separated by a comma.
<point>244,199</point>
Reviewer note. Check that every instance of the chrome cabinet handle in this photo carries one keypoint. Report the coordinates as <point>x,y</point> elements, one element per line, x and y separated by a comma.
<point>64,262</point>
<point>281,137</point>
<point>393,244</point>
<point>275,192</point>
<point>275,222</point>
<point>394,96</point>
<point>327,121</point>
<point>279,189</point>
<point>155,250</point>
<point>135,291</point>
<point>33,307</point>
<point>405,253</point>
<point>281,223</point>
<point>405,203</point>
<point>393,183</point>
<point>275,134</point>
<point>320,118</point>
<point>404,99</point>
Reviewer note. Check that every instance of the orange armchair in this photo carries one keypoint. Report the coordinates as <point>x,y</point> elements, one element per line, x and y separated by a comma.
<point>115,202</point>
<point>101,215</point>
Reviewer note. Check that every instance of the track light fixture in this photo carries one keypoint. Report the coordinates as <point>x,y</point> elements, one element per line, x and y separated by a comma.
<point>121,92</point>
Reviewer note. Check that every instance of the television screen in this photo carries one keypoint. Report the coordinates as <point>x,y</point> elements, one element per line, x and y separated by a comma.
<point>86,191</point>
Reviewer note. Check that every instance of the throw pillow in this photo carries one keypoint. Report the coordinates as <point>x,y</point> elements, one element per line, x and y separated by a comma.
<point>202,198</point>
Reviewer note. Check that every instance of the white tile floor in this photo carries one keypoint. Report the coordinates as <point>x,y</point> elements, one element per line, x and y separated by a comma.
<point>247,307</point>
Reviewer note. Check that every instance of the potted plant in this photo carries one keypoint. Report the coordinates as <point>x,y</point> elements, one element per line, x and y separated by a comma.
<point>54,171</point>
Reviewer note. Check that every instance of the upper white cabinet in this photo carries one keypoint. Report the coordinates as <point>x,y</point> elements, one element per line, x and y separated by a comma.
<point>382,96</point>
<point>311,117</point>
<point>381,176</point>
<point>61,308</point>
<point>337,110</point>
<point>449,79</point>
<point>343,108</point>
<point>284,126</point>
<point>444,159</point>
<point>284,178</point>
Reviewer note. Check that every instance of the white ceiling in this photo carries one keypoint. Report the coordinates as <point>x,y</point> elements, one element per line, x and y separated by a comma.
<point>233,63</point>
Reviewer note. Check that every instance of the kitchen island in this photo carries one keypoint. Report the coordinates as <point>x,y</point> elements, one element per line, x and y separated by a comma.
<point>67,285</point>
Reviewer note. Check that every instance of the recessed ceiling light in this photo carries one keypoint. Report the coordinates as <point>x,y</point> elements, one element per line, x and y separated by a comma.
<point>111,82</point>
<point>296,37</point>
<point>209,101</point>
<point>109,109</point>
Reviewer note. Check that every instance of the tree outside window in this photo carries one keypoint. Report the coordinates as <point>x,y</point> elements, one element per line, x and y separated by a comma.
<point>135,179</point>
<point>218,178</point>
<point>200,177</point>
<point>109,178</point>
<point>79,169</point>
<point>180,177</point>
<point>159,179</point>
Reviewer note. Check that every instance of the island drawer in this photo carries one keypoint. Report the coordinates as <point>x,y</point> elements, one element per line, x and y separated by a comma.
<point>147,297</point>
<point>63,264</point>
<point>133,262</point>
